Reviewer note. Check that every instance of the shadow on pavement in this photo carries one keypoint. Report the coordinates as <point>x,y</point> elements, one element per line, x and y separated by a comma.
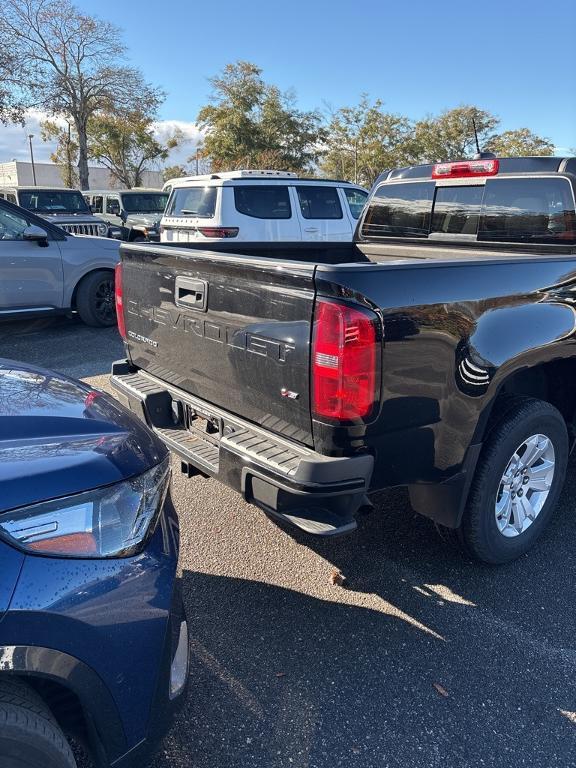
<point>279,678</point>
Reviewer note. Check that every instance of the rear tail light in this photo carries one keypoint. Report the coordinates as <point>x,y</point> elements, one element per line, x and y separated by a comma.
<point>466,170</point>
<point>119,299</point>
<point>218,231</point>
<point>345,362</point>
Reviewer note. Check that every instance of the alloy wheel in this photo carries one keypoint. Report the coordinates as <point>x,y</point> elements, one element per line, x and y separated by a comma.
<point>525,485</point>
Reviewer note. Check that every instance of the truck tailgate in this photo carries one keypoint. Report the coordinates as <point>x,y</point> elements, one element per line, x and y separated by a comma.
<point>232,330</point>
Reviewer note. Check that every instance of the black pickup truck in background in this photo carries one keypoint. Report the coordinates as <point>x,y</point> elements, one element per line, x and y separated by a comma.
<point>437,351</point>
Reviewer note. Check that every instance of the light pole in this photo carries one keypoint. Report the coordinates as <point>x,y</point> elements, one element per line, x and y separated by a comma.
<point>30,137</point>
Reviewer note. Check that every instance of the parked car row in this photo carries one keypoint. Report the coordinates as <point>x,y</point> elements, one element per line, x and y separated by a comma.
<point>244,205</point>
<point>47,268</point>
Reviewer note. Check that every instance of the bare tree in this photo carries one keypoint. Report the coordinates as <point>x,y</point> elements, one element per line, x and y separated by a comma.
<point>66,63</point>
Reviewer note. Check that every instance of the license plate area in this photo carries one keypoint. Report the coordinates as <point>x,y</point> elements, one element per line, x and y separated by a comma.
<point>202,424</point>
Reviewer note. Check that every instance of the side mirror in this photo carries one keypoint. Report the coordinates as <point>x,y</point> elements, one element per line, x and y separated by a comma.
<point>123,215</point>
<point>37,234</point>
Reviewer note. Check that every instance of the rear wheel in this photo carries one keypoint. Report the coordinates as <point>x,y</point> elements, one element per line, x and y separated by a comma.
<point>30,737</point>
<point>517,483</point>
<point>95,299</point>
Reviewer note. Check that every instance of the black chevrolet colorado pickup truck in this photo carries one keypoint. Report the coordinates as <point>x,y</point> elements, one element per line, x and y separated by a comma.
<point>437,351</point>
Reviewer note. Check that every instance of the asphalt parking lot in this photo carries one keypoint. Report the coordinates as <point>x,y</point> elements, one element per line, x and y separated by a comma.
<point>422,658</point>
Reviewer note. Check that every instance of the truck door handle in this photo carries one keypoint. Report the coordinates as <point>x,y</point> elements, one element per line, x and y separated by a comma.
<point>311,229</point>
<point>191,294</point>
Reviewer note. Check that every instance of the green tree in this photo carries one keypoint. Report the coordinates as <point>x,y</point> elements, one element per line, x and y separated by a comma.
<point>175,172</point>
<point>125,144</point>
<point>66,63</point>
<point>450,135</point>
<point>250,123</point>
<point>520,142</point>
<point>364,140</point>
<point>65,156</point>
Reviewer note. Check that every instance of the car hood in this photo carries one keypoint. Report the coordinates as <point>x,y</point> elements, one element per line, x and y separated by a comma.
<point>71,218</point>
<point>98,244</point>
<point>59,437</point>
<point>148,219</point>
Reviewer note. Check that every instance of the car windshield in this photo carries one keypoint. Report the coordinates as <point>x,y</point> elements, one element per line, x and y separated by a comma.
<point>53,201</point>
<point>145,202</point>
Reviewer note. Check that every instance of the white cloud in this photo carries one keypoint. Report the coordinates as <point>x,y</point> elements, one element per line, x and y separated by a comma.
<point>192,137</point>
<point>14,139</point>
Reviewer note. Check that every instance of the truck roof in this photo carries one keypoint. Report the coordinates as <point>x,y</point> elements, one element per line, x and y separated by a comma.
<point>134,190</point>
<point>231,178</point>
<point>507,165</point>
<point>37,188</point>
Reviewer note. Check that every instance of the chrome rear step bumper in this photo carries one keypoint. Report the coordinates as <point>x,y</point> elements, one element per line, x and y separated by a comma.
<point>319,494</point>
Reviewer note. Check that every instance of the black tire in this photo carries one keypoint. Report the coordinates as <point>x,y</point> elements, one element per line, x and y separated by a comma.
<point>30,737</point>
<point>479,531</point>
<point>95,299</point>
<point>139,239</point>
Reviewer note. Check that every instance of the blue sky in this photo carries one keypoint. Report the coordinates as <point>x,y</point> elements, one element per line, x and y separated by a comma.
<point>513,58</point>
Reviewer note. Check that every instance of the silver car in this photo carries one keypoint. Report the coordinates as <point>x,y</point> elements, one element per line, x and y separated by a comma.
<point>44,269</point>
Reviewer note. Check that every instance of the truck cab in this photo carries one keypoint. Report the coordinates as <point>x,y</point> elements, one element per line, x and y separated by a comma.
<point>516,201</point>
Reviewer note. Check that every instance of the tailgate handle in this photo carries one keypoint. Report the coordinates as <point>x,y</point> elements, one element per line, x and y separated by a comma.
<point>191,294</point>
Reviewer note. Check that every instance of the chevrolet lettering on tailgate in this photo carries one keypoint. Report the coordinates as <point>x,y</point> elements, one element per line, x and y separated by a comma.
<point>208,329</point>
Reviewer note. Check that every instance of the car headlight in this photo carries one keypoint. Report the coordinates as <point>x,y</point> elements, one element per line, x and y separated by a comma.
<point>108,522</point>
<point>102,230</point>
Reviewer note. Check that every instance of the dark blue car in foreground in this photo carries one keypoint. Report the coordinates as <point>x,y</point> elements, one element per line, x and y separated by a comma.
<point>93,638</point>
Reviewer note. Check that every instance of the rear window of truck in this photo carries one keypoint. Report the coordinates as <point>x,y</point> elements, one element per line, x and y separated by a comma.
<point>401,210</point>
<point>542,211</point>
<point>538,210</point>
<point>457,210</point>
<point>192,201</point>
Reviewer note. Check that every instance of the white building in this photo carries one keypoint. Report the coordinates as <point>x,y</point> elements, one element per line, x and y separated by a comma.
<point>16,173</point>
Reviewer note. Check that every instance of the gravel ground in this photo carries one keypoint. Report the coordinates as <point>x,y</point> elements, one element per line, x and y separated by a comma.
<point>422,658</point>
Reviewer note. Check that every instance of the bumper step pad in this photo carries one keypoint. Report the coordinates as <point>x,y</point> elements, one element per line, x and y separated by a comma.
<point>291,483</point>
